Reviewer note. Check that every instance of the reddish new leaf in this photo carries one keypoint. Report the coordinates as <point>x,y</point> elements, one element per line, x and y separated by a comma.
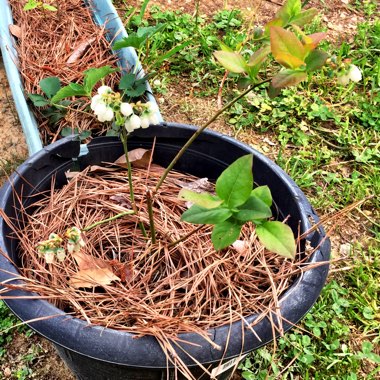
<point>287,78</point>
<point>312,40</point>
<point>286,44</point>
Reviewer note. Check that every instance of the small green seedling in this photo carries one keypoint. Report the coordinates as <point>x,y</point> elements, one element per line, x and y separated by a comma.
<point>235,203</point>
<point>33,4</point>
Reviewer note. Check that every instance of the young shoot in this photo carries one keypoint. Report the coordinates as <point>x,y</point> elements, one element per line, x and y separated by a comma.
<point>236,202</point>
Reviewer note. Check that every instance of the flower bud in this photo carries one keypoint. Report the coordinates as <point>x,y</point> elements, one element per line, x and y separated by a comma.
<point>107,115</point>
<point>152,107</point>
<point>104,90</point>
<point>95,101</point>
<point>135,121</point>
<point>145,121</point>
<point>343,79</point>
<point>100,108</point>
<point>70,247</point>
<point>126,109</point>
<point>61,254</point>
<point>49,257</point>
<point>153,118</point>
<point>354,73</point>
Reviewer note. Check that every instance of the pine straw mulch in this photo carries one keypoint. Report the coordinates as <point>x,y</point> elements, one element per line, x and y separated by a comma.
<point>172,289</point>
<point>62,44</point>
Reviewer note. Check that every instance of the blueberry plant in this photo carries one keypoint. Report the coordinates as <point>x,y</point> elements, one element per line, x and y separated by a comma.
<point>294,55</point>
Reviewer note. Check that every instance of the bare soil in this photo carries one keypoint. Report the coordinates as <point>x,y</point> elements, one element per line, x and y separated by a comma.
<point>178,105</point>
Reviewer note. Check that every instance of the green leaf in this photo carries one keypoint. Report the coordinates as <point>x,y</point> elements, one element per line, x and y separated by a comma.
<point>136,91</point>
<point>50,86</point>
<point>315,60</point>
<point>225,47</point>
<point>224,234</point>
<point>205,200</point>
<point>288,78</point>
<point>278,238</point>
<point>148,31</point>
<point>263,193</point>
<point>68,131</point>
<point>84,135</point>
<point>73,89</point>
<point>127,81</point>
<point>93,76</point>
<point>31,4</point>
<point>235,184</point>
<point>257,59</point>
<point>259,56</point>
<point>290,9</point>
<point>254,209</point>
<point>131,41</point>
<point>231,61</point>
<point>137,39</point>
<point>49,7</point>
<point>285,43</point>
<point>200,215</point>
<point>38,100</point>
<point>304,17</point>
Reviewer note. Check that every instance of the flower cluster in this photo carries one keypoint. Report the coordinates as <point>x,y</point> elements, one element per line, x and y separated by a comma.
<point>53,248</point>
<point>108,105</point>
<point>75,241</point>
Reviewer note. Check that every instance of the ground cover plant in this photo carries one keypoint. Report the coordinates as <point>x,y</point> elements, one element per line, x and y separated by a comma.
<point>335,154</point>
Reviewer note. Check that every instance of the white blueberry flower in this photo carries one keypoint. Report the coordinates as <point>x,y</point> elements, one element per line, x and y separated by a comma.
<point>153,118</point>
<point>104,90</point>
<point>354,73</point>
<point>126,109</point>
<point>100,108</point>
<point>49,256</point>
<point>343,79</point>
<point>70,247</point>
<point>145,121</point>
<point>152,107</point>
<point>61,254</point>
<point>128,126</point>
<point>95,101</point>
<point>135,121</point>
<point>107,115</point>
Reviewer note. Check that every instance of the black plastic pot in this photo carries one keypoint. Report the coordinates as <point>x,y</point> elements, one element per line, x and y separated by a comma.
<point>99,353</point>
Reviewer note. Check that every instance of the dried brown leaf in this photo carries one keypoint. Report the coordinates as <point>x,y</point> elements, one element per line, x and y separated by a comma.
<point>15,30</point>
<point>241,246</point>
<point>79,50</point>
<point>92,272</point>
<point>121,200</point>
<point>138,158</point>
<point>200,185</point>
<point>92,277</point>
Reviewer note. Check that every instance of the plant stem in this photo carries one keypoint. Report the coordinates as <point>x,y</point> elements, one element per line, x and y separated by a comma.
<point>183,238</point>
<point>117,216</point>
<point>124,139</point>
<point>150,213</point>
<point>201,129</point>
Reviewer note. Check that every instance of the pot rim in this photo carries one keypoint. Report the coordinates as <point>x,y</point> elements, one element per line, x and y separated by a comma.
<point>123,348</point>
